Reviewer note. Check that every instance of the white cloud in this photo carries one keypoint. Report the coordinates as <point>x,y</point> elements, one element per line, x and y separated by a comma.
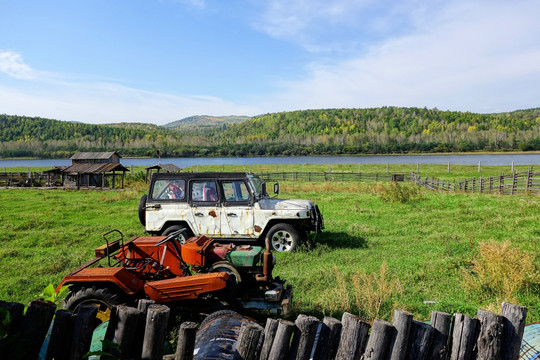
<point>12,64</point>
<point>100,103</point>
<point>471,56</point>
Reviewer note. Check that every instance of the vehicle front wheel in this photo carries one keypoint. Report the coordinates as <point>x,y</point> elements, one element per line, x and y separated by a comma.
<point>283,237</point>
<point>102,298</point>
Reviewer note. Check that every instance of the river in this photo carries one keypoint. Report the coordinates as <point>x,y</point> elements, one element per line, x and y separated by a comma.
<point>457,159</point>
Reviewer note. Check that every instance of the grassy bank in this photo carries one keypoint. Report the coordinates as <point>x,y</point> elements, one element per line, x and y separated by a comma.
<point>375,255</point>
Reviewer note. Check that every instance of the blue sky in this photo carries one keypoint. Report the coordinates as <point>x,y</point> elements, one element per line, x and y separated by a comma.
<point>157,61</point>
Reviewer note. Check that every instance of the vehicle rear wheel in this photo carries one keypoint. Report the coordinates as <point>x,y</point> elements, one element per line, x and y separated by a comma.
<point>283,237</point>
<point>142,209</point>
<point>182,237</point>
<point>102,298</point>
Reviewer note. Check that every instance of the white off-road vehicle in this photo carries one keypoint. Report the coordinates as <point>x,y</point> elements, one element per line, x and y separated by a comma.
<point>227,207</point>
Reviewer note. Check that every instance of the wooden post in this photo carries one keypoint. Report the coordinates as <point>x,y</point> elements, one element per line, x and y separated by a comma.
<point>398,345</point>
<point>490,337</point>
<point>514,326</point>
<point>379,340</point>
<point>248,342</point>
<point>449,167</point>
<point>125,333</point>
<point>479,167</point>
<point>34,326</point>
<point>83,327</point>
<point>328,341</point>
<point>512,166</point>
<point>186,341</point>
<point>417,168</point>
<point>304,337</point>
<point>281,344</point>
<point>441,323</point>
<point>464,337</point>
<point>59,342</point>
<point>387,168</point>
<point>269,335</point>
<point>420,341</point>
<point>154,332</point>
<point>353,337</point>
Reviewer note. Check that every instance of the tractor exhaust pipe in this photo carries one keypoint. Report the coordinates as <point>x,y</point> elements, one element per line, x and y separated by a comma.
<point>268,264</point>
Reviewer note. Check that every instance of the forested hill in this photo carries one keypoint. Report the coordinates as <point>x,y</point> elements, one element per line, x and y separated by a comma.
<point>329,131</point>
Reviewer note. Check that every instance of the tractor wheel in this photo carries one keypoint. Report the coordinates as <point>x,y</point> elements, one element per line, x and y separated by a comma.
<point>182,237</point>
<point>283,237</point>
<point>103,298</point>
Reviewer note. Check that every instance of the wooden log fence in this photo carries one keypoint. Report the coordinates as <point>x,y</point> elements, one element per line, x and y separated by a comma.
<point>527,182</point>
<point>446,336</point>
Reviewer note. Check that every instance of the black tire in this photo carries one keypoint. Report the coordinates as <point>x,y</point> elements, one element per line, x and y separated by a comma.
<point>142,209</point>
<point>283,237</point>
<point>217,314</point>
<point>103,298</point>
<point>182,237</point>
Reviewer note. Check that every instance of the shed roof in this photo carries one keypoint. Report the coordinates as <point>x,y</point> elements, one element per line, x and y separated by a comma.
<point>94,155</point>
<point>94,168</point>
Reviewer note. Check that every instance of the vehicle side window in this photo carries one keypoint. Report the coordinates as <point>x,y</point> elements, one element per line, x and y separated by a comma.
<point>204,191</point>
<point>235,191</point>
<point>169,189</point>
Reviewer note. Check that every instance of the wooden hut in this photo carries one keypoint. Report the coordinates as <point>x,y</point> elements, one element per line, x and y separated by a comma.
<point>90,169</point>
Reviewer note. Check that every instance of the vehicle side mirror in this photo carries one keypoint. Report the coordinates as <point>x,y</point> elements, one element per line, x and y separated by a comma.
<point>263,189</point>
<point>276,188</point>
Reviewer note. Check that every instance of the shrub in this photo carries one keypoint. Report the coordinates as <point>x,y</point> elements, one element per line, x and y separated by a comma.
<point>501,271</point>
<point>397,192</point>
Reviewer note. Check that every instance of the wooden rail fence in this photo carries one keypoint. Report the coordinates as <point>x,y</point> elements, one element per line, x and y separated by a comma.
<point>333,176</point>
<point>139,333</point>
<point>527,182</point>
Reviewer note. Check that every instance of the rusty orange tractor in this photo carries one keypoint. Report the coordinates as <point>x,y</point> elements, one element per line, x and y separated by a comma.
<point>162,269</point>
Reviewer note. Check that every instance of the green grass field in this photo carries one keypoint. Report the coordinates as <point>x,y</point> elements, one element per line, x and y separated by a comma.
<point>458,252</point>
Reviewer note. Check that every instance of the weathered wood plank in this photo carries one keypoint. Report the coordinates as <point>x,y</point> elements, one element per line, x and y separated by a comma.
<point>186,341</point>
<point>269,335</point>
<point>489,341</point>
<point>328,341</point>
<point>154,332</point>
<point>441,323</point>
<point>464,337</point>
<point>281,344</point>
<point>248,343</point>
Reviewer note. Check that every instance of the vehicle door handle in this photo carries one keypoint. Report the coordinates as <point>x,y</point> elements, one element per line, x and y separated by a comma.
<point>199,214</point>
<point>232,215</point>
<point>156,206</point>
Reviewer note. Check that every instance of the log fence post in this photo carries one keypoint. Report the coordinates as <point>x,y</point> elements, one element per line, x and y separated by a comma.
<point>59,343</point>
<point>464,337</point>
<point>400,338</point>
<point>304,337</point>
<point>154,332</point>
<point>328,341</point>
<point>441,323</point>
<point>353,337</point>
<point>249,340</point>
<point>281,344</point>
<point>269,335</point>
<point>514,326</point>
<point>83,327</point>
<point>489,341</point>
<point>379,340</point>
<point>420,340</point>
<point>186,341</point>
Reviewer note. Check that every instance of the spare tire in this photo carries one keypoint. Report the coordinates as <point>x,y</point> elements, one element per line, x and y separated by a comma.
<point>142,209</point>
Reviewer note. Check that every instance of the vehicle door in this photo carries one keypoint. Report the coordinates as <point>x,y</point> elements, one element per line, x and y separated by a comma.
<point>167,201</point>
<point>206,207</point>
<point>237,209</point>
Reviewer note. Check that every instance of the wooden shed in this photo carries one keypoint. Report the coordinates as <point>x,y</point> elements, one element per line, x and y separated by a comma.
<point>91,169</point>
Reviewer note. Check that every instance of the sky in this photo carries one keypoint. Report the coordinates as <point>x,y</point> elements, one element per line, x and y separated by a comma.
<point>158,61</point>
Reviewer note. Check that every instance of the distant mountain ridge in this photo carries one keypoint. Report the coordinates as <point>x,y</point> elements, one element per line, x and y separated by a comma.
<point>206,120</point>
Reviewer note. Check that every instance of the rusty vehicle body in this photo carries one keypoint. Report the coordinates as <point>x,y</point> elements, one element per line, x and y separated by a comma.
<point>162,269</point>
<point>233,207</point>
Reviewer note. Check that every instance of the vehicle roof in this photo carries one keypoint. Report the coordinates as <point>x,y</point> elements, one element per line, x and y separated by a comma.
<point>201,175</point>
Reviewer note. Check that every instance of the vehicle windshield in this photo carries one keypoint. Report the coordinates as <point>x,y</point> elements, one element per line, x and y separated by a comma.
<point>257,183</point>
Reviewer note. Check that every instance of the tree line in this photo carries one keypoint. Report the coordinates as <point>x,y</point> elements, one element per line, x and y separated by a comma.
<point>305,132</point>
